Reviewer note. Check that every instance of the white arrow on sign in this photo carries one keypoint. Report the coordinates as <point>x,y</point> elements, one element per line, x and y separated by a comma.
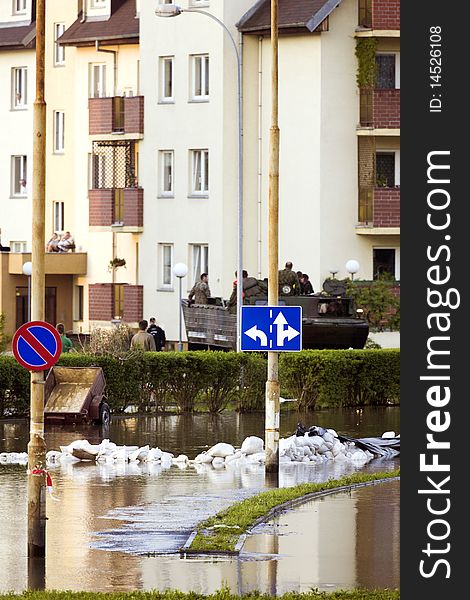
<point>290,333</point>
<point>254,333</point>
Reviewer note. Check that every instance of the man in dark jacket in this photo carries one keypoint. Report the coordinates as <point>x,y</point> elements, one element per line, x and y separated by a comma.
<point>158,334</point>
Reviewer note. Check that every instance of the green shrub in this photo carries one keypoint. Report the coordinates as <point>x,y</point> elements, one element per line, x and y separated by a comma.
<point>332,378</point>
<point>209,381</point>
<point>4,338</point>
<point>381,306</point>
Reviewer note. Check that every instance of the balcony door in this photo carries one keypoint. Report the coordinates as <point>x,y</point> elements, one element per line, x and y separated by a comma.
<point>22,305</point>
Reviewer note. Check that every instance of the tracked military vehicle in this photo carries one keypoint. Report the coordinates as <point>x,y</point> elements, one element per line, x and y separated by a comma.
<point>329,319</point>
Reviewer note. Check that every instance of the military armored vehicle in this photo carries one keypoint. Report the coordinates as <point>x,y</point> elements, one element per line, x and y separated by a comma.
<point>329,319</point>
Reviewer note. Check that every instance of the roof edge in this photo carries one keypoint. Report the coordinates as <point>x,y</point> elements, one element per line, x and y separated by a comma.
<point>94,38</point>
<point>321,15</point>
<point>249,13</point>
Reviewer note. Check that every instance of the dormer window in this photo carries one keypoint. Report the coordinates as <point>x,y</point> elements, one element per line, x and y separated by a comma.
<point>19,7</point>
<point>98,3</point>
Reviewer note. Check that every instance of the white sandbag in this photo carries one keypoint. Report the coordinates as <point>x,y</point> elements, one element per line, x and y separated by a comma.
<point>140,454</point>
<point>332,432</point>
<point>218,462</point>
<point>154,455</point>
<point>388,435</point>
<point>252,445</point>
<point>167,457</point>
<point>203,459</point>
<point>258,457</point>
<point>328,438</point>
<point>221,450</point>
<point>180,459</point>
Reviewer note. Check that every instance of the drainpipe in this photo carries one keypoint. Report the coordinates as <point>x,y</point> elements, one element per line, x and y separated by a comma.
<point>82,9</point>
<point>114,53</point>
<point>260,148</point>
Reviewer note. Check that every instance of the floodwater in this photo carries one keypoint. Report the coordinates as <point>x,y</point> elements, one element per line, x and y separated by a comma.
<point>106,520</point>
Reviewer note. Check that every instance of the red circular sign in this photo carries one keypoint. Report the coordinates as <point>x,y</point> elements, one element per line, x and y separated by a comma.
<point>37,345</point>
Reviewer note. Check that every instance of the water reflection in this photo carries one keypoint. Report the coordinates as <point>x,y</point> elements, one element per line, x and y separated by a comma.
<point>134,509</point>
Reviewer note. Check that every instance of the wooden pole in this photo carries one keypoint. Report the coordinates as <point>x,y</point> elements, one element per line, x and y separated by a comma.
<point>272,383</point>
<point>37,445</point>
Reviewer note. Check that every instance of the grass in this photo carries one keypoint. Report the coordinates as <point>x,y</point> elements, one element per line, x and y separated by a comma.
<point>223,594</point>
<point>221,532</point>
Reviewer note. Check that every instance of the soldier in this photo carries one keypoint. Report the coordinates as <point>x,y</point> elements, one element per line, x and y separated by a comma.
<point>288,277</point>
<point>200,291</point>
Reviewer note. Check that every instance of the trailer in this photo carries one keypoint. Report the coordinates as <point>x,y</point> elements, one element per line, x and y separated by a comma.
<point>76,395</point>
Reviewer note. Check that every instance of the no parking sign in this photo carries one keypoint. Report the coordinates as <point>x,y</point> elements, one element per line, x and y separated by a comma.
<point>37,345</point>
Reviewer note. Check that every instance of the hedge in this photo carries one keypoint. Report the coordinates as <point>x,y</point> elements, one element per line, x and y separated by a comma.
<point>210,381</point>
<point>333,378</point>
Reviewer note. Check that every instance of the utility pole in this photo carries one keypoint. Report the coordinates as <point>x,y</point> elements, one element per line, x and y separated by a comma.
<point>272,383</point>
<point>37,444</point>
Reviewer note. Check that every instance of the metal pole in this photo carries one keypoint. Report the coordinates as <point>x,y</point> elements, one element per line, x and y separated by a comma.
<point>180,342</point>
<point>272,383</point>
<point>29,298</point>
<point>37,445</point>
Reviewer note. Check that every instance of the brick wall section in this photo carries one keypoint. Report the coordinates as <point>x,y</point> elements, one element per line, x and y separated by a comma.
<point>100,116</point>
<point>134,207</point>
<point>101,207</point>
<point>385,14</point>
<point>386,111</point>
<point>133,303</point>
<point>134,115</point>
<point>387,207</point>
<point>101,301</point>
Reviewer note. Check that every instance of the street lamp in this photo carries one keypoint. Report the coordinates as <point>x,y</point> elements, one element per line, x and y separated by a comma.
<point>352,266</point>
<point>27,270</point>
<point>173,10</point>
<point>180,270</point>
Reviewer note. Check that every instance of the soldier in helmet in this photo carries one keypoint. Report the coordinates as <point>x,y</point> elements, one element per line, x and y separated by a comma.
<point>288,278</point>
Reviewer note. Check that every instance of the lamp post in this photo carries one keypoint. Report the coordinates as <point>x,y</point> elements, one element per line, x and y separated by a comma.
<point>180,270</point>
<point>352,266</point>
<point>27,270</point>
<point>173,10</point>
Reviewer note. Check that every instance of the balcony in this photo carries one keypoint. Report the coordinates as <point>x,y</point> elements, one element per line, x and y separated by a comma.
<point>117,115</point>
<point>108,302</point>
<point>380,109</point>
<point>56,263</point>
<point>379,210</point>
<point>379,15</point>
<point>120,208</point>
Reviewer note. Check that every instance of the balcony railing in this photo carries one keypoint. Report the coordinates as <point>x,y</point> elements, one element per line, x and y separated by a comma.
<point>379,207</point>
<point>380,108</point>
<point>111,301</point>
<point>118,114</point>
<point>121,207</point>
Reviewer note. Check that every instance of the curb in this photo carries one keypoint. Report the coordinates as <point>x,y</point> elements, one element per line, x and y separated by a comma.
<point>274,512</point>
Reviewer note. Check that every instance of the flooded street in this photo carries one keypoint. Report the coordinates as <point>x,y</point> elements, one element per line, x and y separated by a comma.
<point>108,517</point>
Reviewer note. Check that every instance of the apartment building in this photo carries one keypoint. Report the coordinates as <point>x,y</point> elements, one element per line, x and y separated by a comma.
<point>137,204</point>
<point>339,150</point>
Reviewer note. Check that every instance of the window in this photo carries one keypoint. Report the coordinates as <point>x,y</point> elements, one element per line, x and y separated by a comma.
<point>97,80</point>
<point>18,246</point>
<point>19,7</point>
<point>78,303</point>
<point>199,260</point>
<point>200,77</point>
<point>59,221</point>
<point>166,78</point>
<point>166,272</point>
<point>59,51</point>
<point>59,132</point>
<point>166,170</point>
<point>19,79</point>
<point>19,175</point>
<point>385,263</point>
<point>388,71</point>
<point>200,172</point>
<point>387,169</point>
<point>98,3</point>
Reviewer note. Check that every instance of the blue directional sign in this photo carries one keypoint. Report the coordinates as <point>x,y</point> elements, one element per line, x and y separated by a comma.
<point>276,328</point>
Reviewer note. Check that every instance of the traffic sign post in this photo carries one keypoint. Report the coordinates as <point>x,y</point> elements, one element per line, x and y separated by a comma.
<point>37,345</point>
<point>271,328</point>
